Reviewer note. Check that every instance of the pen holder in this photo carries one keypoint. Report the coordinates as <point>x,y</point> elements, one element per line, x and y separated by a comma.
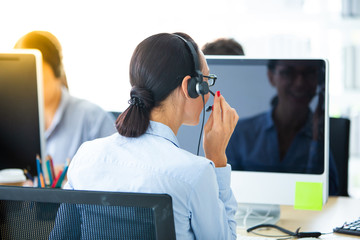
<point>47,169</point>
<point>58,182</point>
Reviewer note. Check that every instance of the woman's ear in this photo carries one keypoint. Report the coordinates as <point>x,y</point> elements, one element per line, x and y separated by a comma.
<point>184,86</point>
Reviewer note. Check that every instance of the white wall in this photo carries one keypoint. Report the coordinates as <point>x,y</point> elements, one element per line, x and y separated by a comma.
<point>98,37</point>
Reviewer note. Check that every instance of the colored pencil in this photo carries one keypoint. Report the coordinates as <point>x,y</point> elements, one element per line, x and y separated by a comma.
<point>42,181</point>
<point>42,171</point>
<point>52,167</point>
<point>62,176</point>
<point>56,179</point>
<point>38,168</point>
<point>41,166</point>
<point>28,175</point>
<point>48,166</point>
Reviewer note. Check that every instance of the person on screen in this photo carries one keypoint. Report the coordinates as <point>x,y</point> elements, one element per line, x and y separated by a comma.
<point>288,137</point>
<point>223,46</point>
<point>144,156</point>
<point>69,121</point>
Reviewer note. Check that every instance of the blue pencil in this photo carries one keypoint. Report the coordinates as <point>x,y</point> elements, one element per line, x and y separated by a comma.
<point>48,166</point>
<point>41,168</point>
<point>28,175</point>
<point>38,168</point>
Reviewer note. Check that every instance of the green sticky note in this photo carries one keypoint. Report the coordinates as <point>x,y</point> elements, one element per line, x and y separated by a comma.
<point>308,196</point>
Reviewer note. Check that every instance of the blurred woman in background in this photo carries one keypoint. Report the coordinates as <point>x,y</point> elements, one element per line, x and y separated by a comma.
<point>69,121</point>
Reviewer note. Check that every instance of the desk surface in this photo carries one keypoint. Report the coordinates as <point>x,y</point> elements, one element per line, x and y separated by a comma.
<point>335,212</point>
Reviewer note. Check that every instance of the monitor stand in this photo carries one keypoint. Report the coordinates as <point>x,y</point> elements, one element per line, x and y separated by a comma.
<point>249,215</point>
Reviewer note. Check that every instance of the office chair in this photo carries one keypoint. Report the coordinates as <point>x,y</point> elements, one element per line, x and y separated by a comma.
<point>40,213</point>
<point>339,147</point>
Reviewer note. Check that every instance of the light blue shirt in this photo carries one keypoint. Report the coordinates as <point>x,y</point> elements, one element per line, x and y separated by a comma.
<point>203,203</point>
<point>75,121</point>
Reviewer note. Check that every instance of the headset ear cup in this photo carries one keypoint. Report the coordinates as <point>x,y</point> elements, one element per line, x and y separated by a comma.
<point>192,88</point>
<point>203,88</point>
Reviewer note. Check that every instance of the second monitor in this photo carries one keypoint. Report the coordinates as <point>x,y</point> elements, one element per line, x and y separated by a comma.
<point>21,108</point>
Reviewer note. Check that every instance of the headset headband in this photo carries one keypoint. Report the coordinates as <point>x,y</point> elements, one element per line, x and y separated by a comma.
<point>193,53</point>
<point>196,85</point>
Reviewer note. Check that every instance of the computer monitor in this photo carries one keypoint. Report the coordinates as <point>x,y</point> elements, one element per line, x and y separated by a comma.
<point>245,84</point>
<point>21,108</point>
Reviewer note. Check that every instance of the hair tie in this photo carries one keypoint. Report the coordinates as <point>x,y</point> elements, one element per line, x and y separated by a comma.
<point>137,102</point>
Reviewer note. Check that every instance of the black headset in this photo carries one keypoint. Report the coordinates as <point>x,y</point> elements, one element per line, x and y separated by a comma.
<point>196,85</point>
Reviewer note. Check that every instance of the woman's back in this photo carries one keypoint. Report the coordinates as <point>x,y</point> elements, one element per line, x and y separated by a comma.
<point>152,163</point>
<point>166,75</point>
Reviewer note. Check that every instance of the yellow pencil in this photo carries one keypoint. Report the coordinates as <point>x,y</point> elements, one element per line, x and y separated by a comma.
<point>42,182</point>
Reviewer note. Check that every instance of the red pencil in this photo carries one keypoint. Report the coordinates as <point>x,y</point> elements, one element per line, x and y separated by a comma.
<point>57,179</point>
<point>52,167</point>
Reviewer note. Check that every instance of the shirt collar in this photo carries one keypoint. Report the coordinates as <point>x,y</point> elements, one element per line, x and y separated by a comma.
<point>65,98</point>
<point>162,130</point>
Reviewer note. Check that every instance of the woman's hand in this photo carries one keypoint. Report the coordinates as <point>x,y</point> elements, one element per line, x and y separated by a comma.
<point>218,130</point>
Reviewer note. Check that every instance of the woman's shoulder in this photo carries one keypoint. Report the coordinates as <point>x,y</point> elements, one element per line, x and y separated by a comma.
<point>194,159</point>
<point>98,144</point>
<point>168,156</point>
<point>191,164</point>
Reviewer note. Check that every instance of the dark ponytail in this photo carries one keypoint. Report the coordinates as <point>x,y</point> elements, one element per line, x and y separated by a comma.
<point>158,66</point>
<point>136,117</point>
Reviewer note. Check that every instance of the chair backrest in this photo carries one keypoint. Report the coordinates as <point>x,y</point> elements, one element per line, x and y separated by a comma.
<point>339,147</point>
<point>39,213</point>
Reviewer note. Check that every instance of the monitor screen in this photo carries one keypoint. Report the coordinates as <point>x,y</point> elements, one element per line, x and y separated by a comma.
<point>21,125</point>
<point>282,130</point>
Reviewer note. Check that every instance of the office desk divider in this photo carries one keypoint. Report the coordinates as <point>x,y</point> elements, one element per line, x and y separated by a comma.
<point>44,213</point>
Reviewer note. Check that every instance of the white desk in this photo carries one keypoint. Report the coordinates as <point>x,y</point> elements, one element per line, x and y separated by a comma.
<point>335,212</point>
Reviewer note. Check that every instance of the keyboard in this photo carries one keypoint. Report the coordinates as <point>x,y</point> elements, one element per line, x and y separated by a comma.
<point>352,227</point>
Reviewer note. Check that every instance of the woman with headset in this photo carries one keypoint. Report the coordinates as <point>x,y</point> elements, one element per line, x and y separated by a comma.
<point>169,88</point>
<point>69,121</point>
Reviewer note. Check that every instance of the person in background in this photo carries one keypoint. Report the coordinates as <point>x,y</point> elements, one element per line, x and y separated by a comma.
<point>223,46</point>
<point>69,121</point>
<point>145,156</point>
